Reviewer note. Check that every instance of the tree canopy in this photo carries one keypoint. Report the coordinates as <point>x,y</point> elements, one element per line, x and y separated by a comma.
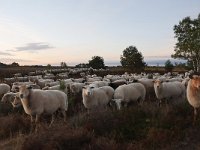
<point>187,47</point>
<point>168,66</point>
<point>97,62</point>
<point>132,59</point>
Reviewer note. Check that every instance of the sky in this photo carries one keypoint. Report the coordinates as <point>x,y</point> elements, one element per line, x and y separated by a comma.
<point>41,32</point>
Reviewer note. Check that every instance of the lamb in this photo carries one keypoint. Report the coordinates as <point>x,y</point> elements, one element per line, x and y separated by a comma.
<point>10,97</point>
<point>169,90</point>
<point>193,93</point>
<point>37,102</point>
<point>4,88</point>
<point>96,97</point>
<point>129,93</point>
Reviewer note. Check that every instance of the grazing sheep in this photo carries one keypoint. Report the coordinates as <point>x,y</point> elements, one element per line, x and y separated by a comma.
<point>9,97</point>
<point>16,85</point>
<point>4,88</point>
<point>129,93</point>
<point>76,88</point>
<point>149,86</point>
<point>115,84</point>
<point>95,97</point>
<point>97,84</point>
<point>37,102</point>
<point>193,93</point>
<point>169,90</point>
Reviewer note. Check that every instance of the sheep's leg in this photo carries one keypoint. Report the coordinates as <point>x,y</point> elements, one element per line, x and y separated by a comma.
<point>64,115</point>
<point>195,115</point>
<point>32,124</point>
<point>52,119</point>
<point>37,122</point>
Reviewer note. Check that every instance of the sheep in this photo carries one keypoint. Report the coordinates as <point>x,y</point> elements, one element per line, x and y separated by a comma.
<point>99,84</point>
<point>169,90</point>
<point>57,87</point>
<point>4,88</point>
<point>129,93</point>
<point>193,93</point>
<point>76,88</point>
<point>15,85</point>
<point>37,102</point>
<point>117,83</point>
<point>149,86</point>
<point>96,97</point>
<point>9,97</point>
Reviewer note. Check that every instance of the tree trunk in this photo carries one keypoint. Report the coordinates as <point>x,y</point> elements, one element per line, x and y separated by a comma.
<point>198,66</point>
<point>194,65</point>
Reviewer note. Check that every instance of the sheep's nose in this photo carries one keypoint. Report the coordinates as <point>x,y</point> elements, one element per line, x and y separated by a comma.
<point>21,95</point>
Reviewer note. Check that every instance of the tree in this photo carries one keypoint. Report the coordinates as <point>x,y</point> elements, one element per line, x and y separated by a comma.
<point>63,65</point>
<point>132,59</point>
<point>187,47</point>
<point>97,62</point>
<point>82,65</point>
<point>168,66</point>
<point>49,66</point>
<point>14,64</point>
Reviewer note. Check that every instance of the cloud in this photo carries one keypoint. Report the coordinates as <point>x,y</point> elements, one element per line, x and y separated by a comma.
<point>10,60</point>
<point>34,47</point>
<point>5,54</point>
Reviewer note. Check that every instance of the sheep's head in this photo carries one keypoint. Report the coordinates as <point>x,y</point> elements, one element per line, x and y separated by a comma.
<point>87,90</point>
<point>118,103</point>
<point>157,83</point>
<point>8,97</point>
<point>24,91</point>
<point>195,80</point>
<point>16,102</point>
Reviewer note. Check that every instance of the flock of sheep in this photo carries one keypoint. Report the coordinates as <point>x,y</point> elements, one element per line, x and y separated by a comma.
<point>40,94</point>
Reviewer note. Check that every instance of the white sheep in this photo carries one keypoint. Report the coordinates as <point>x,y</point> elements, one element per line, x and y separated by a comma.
<point>169,90</point>
<point>99,84</point>
<point>37,102</point>
<point>96,97</point>
<point>76,88</point>
<point>57,87</point>
<point>129,93</point>
<point>4,88</point>
<point>149,86</point>
<point>193,93</point>
<point>9,98</point>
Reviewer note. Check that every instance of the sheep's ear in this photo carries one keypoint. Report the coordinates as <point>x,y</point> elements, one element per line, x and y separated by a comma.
<point>154,81</point>
<point>84,87</point>
<point>29,87</point>
<point>17,88</point>
<point>162,81</point>
<point>92,87</point>
<point>191,76</point>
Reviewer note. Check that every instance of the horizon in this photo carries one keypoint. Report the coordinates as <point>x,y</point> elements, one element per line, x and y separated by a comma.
<point>49,32</point>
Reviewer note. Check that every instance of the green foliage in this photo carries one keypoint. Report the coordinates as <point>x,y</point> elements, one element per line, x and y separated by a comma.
<point>14,64</point>
<point>82,65</point>
<point>187,47</point>
<point>49,66</point>
<point>132,59</point>
<point>168,66</point>
<point>97,62</point>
